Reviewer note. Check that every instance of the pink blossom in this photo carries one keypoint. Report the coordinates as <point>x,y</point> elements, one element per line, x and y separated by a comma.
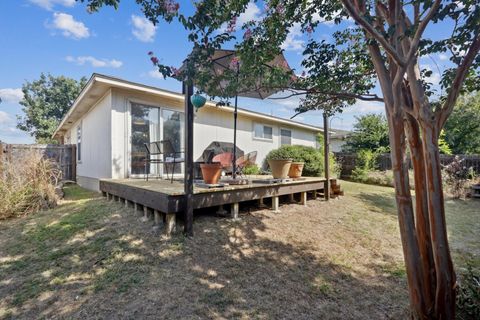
<point>309,29</point>
<point>248,34</point>
<point>150,53</point>
<point>154,60</point>
<point>232,25</point>
<point>304,73</point>
<point>175,71</point>
<point>171,7</point>
<point>234,63</point>
<point>280,8</point>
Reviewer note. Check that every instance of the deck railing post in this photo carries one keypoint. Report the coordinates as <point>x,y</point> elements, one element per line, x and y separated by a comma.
<point>188,180</point>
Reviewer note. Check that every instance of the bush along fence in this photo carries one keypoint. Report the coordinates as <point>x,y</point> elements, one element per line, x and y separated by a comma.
<point>63,155</point>
<point>348,162</point>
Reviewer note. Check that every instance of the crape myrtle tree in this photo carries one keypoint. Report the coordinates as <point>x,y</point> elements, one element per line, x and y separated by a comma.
<point>376,42</point>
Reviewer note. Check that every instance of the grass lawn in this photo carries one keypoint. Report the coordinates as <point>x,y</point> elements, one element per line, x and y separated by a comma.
<point>89,258</point>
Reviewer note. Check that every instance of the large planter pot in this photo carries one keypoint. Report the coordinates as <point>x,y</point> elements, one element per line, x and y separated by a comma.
<point>279,168</point>
<point>296,169</point>
<point>211,172</point>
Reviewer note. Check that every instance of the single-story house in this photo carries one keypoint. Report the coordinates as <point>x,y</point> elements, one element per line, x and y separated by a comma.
<point>111,119</point>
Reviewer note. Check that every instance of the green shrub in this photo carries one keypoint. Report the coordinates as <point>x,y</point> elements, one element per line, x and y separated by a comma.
<point>365,163</point>
<point>251,169</point>
<point>468,297</point>
<point>312,157</point>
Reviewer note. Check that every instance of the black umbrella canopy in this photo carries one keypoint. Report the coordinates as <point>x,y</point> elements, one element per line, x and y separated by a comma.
<point>226,79</point>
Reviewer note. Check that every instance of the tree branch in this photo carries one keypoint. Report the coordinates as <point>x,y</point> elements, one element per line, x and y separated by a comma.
<point>462,71</point>
<point>421,28</point>
<point>346,95</point>
<point>373,32</point>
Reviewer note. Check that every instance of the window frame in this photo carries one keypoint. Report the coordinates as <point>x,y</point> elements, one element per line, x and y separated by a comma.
<point>280,136</point>
<point>263,132</point>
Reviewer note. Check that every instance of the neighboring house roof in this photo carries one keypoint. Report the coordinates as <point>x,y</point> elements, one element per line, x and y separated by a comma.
<point>98,85</point>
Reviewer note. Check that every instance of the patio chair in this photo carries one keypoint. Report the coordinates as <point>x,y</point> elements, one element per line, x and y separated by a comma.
<point>167,153</point>
<point>245,160</point>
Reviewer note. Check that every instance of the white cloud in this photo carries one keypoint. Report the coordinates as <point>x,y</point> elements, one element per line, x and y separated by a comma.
<point>155,74</point>
<point>11,95</point>
<point>49,4</point>
<point>94,62</point>
<point>70,27</point>
<point>143,29</point>
<point>252,12</point>
<point>293,42</point>
<point>443,57</point>
<point>362,107</point>
<point>5,118</point>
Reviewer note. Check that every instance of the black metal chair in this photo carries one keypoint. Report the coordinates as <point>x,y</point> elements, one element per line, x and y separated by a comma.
<point>167,153</point>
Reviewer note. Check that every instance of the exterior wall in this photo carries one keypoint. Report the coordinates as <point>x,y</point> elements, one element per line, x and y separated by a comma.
<point>210,125</point>
<point>95,160</point>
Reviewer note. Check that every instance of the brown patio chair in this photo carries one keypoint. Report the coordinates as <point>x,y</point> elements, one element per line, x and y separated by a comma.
<point>225,160</point>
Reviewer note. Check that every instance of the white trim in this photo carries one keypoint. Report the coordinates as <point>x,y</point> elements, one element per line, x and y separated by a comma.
<point>264,125</point>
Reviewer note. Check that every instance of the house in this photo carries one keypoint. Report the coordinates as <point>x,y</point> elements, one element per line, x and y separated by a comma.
<point>111,119</point>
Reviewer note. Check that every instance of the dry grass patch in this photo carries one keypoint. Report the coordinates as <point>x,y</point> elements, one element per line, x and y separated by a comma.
<point>90,258</point>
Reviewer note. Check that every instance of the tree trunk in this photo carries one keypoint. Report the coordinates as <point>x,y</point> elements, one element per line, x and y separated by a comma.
<point>445,275</point>
<point>422,223</point>
<point>415,275</point>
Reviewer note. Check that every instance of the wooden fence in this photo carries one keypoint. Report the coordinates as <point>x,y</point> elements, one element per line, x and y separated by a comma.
<point>63,155</point>
<point>348,162</point>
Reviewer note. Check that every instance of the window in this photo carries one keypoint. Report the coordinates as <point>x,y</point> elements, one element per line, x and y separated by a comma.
<point>79,142</point>
<point>261,131</point>
<point>285,136</point>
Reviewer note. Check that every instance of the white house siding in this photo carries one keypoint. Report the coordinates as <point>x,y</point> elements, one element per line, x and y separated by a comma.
<point>96,144</point>
<point>210,125</point>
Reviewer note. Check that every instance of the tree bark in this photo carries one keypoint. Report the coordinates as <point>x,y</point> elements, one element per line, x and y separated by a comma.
<point>422,223</point>
<point>445,275</point>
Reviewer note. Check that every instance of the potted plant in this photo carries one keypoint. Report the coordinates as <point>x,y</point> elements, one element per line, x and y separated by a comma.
<point>303,158</point>
<point>296,169</point>
<point>279,163</point>
<point>211,171</point>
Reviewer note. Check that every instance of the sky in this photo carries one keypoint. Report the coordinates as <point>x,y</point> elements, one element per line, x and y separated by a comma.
<point>60,37</point>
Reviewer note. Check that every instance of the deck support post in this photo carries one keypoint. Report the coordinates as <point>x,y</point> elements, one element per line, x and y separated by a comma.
<point>314,194</point>
<point>108,196</point>
<point>221,211</point>
<point>234,210</point>
<point>261,203</point>
<point>126,203</point>
<point>170,225</point>
<point>303,198</point>
<point>145,214</point>
<point>275,204</point>
<point>157,218</point>
<point>291,198</point>
<point>135,208</point>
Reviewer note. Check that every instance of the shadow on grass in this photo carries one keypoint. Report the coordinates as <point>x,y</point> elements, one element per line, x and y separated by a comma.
<point>378,202</point>
<point>92,258</point>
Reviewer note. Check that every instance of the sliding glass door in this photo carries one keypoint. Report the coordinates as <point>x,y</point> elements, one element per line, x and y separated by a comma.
<point>150,124</point>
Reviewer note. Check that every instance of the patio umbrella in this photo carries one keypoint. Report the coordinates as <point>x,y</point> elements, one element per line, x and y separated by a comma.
<point>223,60</point>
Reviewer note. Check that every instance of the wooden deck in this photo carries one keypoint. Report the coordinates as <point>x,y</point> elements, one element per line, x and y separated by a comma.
<point>164,198</point>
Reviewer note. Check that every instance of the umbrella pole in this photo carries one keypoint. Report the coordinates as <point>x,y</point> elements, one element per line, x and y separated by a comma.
<point>234,161</point>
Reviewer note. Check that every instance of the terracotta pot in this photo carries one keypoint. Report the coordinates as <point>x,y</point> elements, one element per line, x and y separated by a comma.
<point>279,168</point>
<point>296,169</point>
<point>211,172</point>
